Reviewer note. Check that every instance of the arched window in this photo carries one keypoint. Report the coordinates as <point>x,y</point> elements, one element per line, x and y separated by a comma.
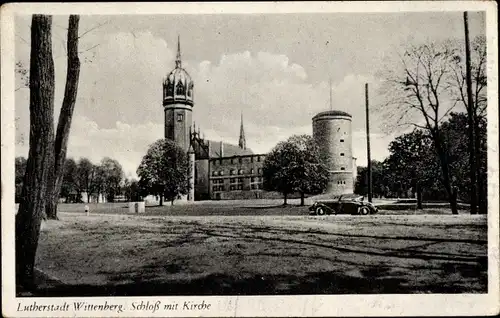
<point>179,89</point>
<point>170,88</point>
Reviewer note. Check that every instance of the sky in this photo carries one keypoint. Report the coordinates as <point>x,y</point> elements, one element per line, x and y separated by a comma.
<point>275,69</point>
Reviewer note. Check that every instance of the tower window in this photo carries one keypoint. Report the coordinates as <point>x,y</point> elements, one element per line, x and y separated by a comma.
<point>341,140</point>
<point>342,154</point>
<point>179,89</point>
<point>342,168</point>
<point>180,117</point>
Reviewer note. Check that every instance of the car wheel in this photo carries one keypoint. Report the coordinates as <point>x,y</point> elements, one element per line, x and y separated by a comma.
<point>363,210</point>
<point>320,211</point>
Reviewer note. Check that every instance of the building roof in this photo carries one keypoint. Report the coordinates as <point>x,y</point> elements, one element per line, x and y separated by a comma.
<point>332,113</point>
<point>229,150</point>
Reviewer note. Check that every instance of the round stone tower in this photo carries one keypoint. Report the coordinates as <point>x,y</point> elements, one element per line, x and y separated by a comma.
<point>178,104</point>
<point>332,132</point>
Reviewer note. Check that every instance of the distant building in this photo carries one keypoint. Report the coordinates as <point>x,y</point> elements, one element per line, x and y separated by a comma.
<point>226,171</point>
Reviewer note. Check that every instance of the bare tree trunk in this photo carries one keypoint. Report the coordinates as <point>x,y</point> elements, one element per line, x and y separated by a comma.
<point>302,199</point>
<point>161,199</point>
<point>31,209</point>
<point>65,117</point>
<point>285,197</point>
<point>443,160</point>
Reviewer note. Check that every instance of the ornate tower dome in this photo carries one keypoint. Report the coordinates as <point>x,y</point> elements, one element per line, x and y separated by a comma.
<point>178,104</point>
<point>178,85</point>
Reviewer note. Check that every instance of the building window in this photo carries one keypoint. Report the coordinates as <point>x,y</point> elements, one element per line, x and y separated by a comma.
<point>232,160</point>
<point>221,173</point>
<point>232,180</point>
<point>180,117</point>
<point>341,140</point>
<point>251,159</point>
<point>241,171</point>
<point>252,179</point>
<point>240,160</point>
<point>240,180</point>
<point>214,173</point>
<point>218,188</point>
<point>342,154</point>
<point>232,172</point>
<point>232,188</point>
<point>259,171</point>
<point>179,89</point>
<point>251,171</point>
<point>342,168</point>
<point>258,158</point>
<point>240,187</point>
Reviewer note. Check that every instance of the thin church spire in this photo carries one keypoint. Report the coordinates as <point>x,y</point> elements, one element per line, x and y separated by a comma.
<point>242,142</point>
<point>178,62</point>
<point>330,91</point>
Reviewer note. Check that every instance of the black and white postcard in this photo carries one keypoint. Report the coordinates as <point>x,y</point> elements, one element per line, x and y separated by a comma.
<point>250,159</point>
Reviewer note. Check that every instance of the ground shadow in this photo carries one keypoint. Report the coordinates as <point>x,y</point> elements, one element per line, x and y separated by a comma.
<point>373,278</point>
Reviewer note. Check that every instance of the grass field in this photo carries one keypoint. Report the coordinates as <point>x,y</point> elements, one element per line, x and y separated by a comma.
<point>230,249</point>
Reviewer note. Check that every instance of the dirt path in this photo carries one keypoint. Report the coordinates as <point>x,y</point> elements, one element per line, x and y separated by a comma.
<point>139,255</point>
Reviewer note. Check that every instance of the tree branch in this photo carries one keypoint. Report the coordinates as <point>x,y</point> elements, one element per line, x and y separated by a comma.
<point>92,29</point>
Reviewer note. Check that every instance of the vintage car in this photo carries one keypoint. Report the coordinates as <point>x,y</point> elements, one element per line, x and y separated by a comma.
<point>344,204</point>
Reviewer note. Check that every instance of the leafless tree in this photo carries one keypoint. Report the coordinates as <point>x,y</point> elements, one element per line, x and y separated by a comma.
<point>65,118</point>
<point>34,192</point>
<point>458,84</point>
<point>416,94</point>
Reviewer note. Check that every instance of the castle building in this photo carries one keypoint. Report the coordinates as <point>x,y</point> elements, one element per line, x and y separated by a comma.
<point>221,171</point>
<point>333,134</point>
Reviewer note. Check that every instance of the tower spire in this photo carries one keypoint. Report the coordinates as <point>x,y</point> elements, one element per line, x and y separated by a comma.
<point>330,91</point>
<point>178,62</point>
<point>242,142</point>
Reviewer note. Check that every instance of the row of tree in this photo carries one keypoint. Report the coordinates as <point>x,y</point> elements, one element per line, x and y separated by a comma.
<point>412,168</point>
<point>422,90</point>
<point>99,180</point>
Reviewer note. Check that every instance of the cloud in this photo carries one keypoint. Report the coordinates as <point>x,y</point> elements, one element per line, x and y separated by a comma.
<point>119,109</point>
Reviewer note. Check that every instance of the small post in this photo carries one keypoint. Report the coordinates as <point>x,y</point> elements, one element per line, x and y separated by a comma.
<point>368,146</point>
<point>87,210</point>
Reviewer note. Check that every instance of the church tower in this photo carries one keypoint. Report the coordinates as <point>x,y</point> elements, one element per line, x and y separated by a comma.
<point>178,103</point>
<point>242,142</point>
